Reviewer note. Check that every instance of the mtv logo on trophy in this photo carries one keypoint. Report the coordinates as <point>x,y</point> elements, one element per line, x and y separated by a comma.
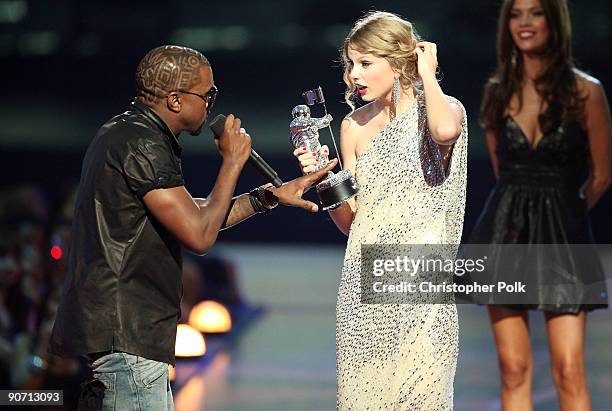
<point>336,189</point>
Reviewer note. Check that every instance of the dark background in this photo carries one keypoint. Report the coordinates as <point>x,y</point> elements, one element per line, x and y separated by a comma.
<point>69,65</point>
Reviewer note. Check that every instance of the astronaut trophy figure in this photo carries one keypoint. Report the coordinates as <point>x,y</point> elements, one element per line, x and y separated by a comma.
<point>305,132</point>
<point>336,188</point>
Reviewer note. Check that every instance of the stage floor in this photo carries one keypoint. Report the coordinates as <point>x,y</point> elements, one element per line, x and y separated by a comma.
<point>285,360</point>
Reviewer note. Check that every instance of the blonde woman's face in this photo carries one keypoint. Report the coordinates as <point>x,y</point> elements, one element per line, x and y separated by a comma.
<point>528,26</point>
<point>372,75</point>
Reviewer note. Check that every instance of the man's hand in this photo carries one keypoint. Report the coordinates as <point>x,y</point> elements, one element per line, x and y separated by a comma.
<point>290,193</point>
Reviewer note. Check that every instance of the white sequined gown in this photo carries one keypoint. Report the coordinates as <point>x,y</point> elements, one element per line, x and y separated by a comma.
<point>399,356</point>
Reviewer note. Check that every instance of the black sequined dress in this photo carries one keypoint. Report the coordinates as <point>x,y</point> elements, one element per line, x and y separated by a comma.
<point>537,201</point>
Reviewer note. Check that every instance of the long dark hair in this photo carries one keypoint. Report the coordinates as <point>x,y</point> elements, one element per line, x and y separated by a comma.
<point>557,85</point>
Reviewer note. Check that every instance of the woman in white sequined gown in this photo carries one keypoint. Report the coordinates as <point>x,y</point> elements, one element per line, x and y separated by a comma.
<point>407,149</point>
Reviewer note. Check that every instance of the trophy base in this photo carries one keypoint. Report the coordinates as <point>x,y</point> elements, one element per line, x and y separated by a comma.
<point>337,189</point>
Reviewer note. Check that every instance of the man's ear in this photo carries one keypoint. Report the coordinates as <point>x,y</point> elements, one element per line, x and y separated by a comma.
<point>173,102</point>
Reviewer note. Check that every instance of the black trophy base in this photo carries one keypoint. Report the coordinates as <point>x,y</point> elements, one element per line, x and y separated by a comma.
<point>337,189</point>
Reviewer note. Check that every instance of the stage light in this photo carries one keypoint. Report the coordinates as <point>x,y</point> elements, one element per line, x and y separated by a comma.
<point>56,252</point>
<point>189,342</point>
<point>210,317</point>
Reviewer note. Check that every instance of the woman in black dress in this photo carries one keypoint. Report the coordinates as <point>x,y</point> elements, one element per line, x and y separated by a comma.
<point>548,132</point>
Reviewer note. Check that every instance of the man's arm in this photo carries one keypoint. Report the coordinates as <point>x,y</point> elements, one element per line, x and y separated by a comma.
<point>196,221</point>
<point>290,194</point>
<point>195,225</point>
<point>240,210</point>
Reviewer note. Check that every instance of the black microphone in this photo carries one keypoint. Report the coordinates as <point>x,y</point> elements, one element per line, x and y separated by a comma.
<point>217,125</point>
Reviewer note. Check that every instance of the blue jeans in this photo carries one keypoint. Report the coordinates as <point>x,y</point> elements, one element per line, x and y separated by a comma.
<point>133,383</point>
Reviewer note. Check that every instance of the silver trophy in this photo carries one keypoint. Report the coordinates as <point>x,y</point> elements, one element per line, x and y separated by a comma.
<point>336,188</point>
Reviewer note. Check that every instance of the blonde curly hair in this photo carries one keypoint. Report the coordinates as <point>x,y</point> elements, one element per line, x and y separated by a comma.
<point>384,35</point>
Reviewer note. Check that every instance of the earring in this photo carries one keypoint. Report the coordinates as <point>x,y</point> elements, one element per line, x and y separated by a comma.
<point>513,56</point>
<point>396,93</point>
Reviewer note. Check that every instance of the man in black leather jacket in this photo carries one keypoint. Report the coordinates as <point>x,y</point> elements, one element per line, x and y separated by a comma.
<point>121,300</point>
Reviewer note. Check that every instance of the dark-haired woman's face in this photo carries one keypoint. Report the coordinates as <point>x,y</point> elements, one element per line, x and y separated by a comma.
<point>528,26</point>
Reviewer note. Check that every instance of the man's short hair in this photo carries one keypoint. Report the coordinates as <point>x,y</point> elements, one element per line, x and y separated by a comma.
<point>166,69</point>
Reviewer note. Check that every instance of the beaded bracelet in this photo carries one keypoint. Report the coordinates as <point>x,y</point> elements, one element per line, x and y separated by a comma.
<point>259,200</point>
